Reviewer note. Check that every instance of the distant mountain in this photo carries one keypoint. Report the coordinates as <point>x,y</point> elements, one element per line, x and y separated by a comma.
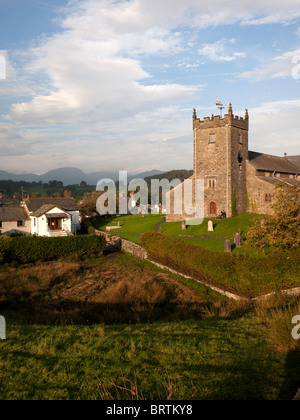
<point>181,174</point>
<point>70,176</point>
<point>295,160</point>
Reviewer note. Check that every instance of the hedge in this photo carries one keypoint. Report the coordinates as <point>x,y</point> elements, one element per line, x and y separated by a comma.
<point>241,274</point>
<point>31,249</point>
<point>5,244</point>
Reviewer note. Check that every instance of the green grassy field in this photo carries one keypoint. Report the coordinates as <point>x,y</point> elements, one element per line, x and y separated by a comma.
<point>117,327</point>
<point>222,229</point>
<point>131,223</point>
<point>192,360</point>
<point>226,228</point>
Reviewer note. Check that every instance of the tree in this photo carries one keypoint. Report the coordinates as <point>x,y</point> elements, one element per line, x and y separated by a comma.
<point>281,231</point>
<point>67,194</point>
<point>87,206</point>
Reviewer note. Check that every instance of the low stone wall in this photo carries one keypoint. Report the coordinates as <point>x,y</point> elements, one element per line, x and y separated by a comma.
<point>114,243</point>
<point>135,249</point>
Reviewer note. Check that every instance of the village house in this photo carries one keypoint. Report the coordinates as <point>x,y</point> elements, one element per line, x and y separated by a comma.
<point>53,216</point>
<point>14,218</point>
<point>40,216</point>
<point>236,180</point>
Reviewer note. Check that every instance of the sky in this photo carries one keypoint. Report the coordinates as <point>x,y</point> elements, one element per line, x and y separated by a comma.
<point>112,84</point>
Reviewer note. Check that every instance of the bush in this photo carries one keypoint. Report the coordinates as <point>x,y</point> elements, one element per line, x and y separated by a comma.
<point>91,230</point>
<point>241,274</point>
<point>85,224</point>
<point>5,244</point>
<point>31,249</point>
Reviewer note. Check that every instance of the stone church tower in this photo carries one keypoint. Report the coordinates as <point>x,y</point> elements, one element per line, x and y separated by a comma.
<point>236,180</point>
<point>220,155</point>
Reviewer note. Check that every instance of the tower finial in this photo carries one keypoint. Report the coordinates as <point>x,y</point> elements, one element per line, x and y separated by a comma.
<point>230,112</point>
<point>247,114</point>
<point>195,114</point>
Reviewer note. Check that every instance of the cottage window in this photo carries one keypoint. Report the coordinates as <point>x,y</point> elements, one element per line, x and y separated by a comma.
<point>0,224</point>
<point>20,223</point>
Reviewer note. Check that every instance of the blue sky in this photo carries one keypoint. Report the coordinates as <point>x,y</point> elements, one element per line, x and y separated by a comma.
<point>109,84</point>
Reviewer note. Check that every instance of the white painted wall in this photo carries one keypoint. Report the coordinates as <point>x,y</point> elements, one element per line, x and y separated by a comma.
<point>42,228</point>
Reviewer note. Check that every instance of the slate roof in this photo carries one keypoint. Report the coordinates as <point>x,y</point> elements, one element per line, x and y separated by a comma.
<point>45,208</point>
<point>275,181</point>
<point>42,210</point>
<point>12,214</point>
<point>66,204</point>
<point>270,163</point>
<point>7,201</point>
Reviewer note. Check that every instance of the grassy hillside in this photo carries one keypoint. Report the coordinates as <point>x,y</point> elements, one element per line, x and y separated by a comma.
<point>117,288</point>
<point>175,340</point>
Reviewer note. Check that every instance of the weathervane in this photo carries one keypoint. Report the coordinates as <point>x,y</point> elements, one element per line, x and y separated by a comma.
<point>220,106</point>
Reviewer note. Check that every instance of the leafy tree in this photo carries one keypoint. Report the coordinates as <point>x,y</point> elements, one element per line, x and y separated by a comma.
<point>281,231</point>
<point>67,194</point>
<point>87,206</point>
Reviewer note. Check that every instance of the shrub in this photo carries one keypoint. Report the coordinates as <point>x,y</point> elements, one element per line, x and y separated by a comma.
<point>91,230</point>
<point>5,243</point>
<point>281,231</point>
<point>31,249</point>
<point>240,274</point>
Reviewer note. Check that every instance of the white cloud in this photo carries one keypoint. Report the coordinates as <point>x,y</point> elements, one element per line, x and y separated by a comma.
<point>97,90</point>
<point>273,129</point>
<point>218,51</point>
<point>280,66</point>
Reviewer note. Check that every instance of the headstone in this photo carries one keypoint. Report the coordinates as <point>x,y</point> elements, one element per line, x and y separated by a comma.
<point>183,225</point>
<point>227,245</point>
<point>119,225</point>
<point>237,240</point>
<point>262,222</point>
<point>210,226</point>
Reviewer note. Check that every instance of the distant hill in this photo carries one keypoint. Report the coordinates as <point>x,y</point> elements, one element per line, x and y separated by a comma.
<point>295,160</point>
<point>71,176</point>
<point>181,174</point>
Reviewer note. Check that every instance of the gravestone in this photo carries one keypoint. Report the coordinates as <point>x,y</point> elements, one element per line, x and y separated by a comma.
<point>210,226</point>
<point>262,223</point>
<point>237,240</point>
<point>183,225</point>
<point>227,245</point>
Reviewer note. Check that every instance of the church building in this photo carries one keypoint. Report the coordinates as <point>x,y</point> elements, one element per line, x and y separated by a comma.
<point>236,180</point>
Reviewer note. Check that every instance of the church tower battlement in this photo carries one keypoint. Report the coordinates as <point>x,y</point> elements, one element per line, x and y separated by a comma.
<point>220,155</point>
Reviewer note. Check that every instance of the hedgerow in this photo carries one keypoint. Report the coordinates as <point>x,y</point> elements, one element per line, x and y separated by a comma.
<point>5,244</point>
<point>31,249</point>
<point>240,274</point>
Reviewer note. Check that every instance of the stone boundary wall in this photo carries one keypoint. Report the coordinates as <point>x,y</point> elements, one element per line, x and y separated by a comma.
<point>114,244</point>
<point>135,249</point>
<point>119,244</point>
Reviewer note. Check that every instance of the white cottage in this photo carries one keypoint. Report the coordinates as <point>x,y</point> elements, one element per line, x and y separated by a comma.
<point>53,216</point>
<point>51,221</point>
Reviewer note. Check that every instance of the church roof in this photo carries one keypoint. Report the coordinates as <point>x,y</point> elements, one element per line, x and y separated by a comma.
<point>271,163</point>
<point>275,181</point>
